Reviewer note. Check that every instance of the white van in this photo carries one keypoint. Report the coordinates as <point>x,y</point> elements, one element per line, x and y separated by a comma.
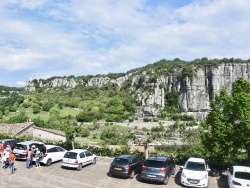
<point>20,149</point>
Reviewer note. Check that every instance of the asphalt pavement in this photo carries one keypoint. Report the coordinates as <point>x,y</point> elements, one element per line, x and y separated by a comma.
<point>91,176</point>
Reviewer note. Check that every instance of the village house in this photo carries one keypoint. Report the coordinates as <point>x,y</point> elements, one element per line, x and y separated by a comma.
<point>29,128</point>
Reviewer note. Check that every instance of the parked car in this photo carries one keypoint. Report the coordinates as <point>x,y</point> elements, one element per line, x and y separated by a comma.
<point>195,173</point>
<point>77,158</point>
<point>11,142</point>
<point>238,176</point>
<point>20,149</point>
<point>158,169</point>
<point>126,165</point>
<point>52,154</point>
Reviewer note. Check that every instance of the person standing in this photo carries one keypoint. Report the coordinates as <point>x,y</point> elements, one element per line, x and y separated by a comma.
<point>1,148</point>
<point>12,159</point>
<point>28,155</point>
<point>6,154</point>
<point>33,152</point>
<point>37,157</point>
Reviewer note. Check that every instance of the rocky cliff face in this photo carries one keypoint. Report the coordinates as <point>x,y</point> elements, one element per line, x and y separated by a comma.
<point>194,92</point>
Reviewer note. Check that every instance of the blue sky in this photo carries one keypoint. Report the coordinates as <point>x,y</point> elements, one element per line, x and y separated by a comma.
<point>45,38</point>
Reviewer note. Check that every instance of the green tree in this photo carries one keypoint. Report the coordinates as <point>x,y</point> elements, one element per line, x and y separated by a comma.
<point>225,132</point>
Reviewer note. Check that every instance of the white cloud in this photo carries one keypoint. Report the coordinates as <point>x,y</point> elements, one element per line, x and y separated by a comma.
<point>96,37</point>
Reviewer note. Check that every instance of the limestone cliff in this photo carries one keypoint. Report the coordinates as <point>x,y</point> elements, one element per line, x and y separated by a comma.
<point>194,92</point>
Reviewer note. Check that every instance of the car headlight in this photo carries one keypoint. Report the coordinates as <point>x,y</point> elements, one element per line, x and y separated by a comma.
<point>183,175</point>
<point>205,177</point>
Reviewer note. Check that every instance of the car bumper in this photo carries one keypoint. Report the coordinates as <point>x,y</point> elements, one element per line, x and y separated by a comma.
<point>152,177</point>
<point>194,183</point>
<point>20,156</point>
<point>69,165</point>
<point>118,173</point>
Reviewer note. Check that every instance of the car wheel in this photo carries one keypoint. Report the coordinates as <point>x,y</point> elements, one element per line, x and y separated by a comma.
<point>49,161</point>
<point>94,161</point>
<point>79,167</point>
<point>132,175</point>
<point>166,181</point>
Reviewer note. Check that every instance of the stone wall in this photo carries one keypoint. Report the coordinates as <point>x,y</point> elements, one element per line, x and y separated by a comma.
<point>40,133</point>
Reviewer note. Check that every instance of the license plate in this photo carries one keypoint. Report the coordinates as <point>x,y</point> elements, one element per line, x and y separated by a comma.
<point>191,181</point>
<point>118,168</point>
<point>151,176</point>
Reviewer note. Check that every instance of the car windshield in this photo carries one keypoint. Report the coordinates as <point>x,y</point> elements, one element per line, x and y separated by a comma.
<point>242,175</point>
<point>152,163</point>
<point>120,161</point>
<point>70,155</point>
<point>21,146</point>
<point>197,166</point>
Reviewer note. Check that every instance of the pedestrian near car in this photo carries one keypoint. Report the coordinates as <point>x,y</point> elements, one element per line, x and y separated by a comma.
<point>28,156</point>
<point>12,159</point>
<point>37,157</point>
<point>33,149</point>
<point>6,154</point>
<point>1,149</point>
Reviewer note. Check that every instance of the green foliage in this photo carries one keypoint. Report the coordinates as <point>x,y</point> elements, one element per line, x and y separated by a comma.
<point>20,118</point>
<point>226,130</point>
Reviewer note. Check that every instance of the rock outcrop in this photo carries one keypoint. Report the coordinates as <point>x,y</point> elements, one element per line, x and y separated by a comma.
<point>194,93</point>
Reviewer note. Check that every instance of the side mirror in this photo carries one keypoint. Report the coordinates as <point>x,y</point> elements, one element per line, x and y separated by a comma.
<point>208,169</point>
<point>181,167</point>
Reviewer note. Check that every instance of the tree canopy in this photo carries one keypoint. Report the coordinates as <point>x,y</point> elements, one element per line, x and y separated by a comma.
<point>225,132</point>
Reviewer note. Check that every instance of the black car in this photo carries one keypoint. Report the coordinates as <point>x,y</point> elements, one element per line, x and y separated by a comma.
<point>11,142</point>
<point>157,169</point>
<point>126,165</point>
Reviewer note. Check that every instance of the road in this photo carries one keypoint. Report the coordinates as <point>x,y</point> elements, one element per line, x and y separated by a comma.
<point>91,176</point>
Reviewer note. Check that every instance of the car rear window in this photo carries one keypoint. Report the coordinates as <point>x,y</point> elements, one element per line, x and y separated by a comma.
<point>120,161</point>
<point>70,155</point>
<point>197,166</point>
<point>152,163</point>
<point>242,175</point>
<point>21,146</point>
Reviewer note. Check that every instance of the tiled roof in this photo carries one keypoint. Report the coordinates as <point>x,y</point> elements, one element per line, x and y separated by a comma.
<point>14,128</point>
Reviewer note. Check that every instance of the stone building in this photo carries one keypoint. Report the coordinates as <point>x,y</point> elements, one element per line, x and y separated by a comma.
<point>29,128</point>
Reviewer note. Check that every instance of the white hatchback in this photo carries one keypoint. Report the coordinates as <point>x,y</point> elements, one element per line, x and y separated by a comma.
<point>195,173</point>
<point>238,176</point>
<point>52,154</point>
<point>78,158</point>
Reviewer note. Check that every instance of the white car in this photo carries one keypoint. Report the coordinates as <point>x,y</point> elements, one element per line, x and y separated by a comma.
<point>52,154</point>
<point>78,158</point>
<point>238,176</point>
<point>195,173</point>
<point>20,149</point>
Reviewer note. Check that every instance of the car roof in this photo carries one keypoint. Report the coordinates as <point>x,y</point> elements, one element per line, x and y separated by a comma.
<point>29,142</point>
<point>195,159</point>
<point>50,146</point>
<point>242,168</point>
<point>158,158</point>
<point>77,150</point>
<point>126,156</point>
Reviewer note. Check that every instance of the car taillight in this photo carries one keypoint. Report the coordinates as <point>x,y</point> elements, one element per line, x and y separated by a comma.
<point>127,168</point>
<point>163,169</point>
<point>144,167</point>
<point>45,155</point>
<point>76,161</point>
<point>235,183</point>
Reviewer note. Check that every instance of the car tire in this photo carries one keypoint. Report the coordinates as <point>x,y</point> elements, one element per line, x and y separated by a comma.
<point>94,161</point>
<point>166,181</point>
<point>132,174</point>
<point>48,163</point>
<point>79,168</point>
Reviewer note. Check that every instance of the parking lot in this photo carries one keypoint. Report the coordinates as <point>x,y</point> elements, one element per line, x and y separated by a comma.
<point>91,176</point>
